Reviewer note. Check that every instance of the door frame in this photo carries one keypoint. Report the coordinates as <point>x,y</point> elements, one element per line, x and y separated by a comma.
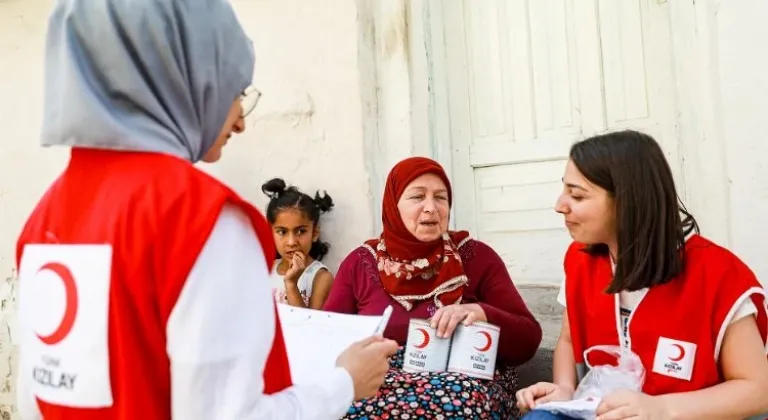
<point>431,106</point>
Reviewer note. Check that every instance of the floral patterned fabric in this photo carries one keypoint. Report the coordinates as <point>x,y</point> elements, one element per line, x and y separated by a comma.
<point>438,276</point>
<point>417,396</point>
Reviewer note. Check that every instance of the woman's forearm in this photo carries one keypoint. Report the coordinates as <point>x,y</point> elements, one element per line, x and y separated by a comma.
<point>735,399</point>
<point>563,365</point>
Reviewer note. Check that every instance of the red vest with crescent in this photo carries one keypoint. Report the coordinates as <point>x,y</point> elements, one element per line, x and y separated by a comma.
<point>677,328</point>
<point>156,212</point>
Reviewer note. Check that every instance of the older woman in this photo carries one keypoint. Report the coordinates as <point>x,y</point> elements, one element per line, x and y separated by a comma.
<point>426,271</point>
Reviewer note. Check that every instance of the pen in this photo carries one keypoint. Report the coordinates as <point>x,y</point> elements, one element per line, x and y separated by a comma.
<point>384,321</point>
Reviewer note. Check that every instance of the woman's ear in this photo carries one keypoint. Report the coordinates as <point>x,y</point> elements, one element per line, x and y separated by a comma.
<point>316,233</point>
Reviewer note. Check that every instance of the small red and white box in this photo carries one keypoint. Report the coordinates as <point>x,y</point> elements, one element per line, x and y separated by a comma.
<point>424,351</point>
<point>473,350</point>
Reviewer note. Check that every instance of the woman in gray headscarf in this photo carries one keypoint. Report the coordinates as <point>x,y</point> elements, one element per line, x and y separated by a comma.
<point>143,281</point>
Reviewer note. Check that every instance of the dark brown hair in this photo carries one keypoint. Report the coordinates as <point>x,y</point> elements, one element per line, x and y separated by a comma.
<point>282,197</point>
<point>651,221</point>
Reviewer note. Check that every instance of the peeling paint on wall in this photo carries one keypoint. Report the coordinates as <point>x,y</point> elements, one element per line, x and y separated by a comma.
<point>8,346</point>
<point>392,28</point>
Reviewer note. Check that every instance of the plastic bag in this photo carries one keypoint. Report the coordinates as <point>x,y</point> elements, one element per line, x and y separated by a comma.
<point>628,374</point>
<point>602,380</point>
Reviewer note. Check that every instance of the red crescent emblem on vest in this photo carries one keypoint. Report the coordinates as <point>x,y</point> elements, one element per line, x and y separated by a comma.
<point>488,341</point>
<point>425,341</point>
<point>681,350</point>
<point>70,311</point>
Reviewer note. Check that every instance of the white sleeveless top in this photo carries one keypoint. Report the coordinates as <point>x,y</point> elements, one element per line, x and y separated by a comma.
<point>306,280</point>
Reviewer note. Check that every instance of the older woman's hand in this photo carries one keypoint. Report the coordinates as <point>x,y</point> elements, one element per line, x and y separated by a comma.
<point>447,318</point>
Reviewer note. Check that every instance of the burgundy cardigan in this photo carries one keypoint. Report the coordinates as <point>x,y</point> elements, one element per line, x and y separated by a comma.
<point>357,290</point>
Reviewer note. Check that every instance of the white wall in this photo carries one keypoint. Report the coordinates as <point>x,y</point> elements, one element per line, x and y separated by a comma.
<point>722,77</point>
<point>308,127</point>
<point>743,69</point>
<point>25,169</point>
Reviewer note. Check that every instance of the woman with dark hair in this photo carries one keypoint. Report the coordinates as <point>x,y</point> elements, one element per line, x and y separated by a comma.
<point>639,275</point>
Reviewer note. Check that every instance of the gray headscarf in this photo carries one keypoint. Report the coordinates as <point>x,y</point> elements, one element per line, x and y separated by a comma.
<point>147,75</point>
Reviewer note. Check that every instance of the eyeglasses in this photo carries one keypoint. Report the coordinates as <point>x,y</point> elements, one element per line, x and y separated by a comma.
<point>248,100</point>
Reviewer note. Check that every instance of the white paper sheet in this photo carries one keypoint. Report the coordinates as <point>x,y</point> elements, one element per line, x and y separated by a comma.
<point>315,339</point>
<point>581,409</point>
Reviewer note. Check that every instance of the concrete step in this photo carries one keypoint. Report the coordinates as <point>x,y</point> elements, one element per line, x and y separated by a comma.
<point>542,301</point>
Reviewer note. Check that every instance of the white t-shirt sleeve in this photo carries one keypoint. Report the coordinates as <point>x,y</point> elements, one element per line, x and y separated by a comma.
<point>746,308</point>
<point>561,294</point>
<point>220,333</point>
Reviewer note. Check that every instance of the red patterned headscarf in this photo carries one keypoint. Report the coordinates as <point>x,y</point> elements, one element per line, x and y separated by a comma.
<point>412,270</point>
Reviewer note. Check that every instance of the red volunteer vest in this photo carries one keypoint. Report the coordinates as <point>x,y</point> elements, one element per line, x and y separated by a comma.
<point>156,211</point>
<point>677,328</point>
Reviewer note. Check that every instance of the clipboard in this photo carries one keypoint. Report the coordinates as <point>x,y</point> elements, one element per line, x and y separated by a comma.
<point>315,339</point>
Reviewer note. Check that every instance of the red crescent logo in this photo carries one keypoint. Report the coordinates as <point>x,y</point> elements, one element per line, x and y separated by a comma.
<point>488,341</point>
<point>425,342</point>
<point>681,350</point>
<point>70,312</point>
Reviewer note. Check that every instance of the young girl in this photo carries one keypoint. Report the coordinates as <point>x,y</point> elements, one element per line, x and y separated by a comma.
<point>299,278</point>
<point>639,275</point>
